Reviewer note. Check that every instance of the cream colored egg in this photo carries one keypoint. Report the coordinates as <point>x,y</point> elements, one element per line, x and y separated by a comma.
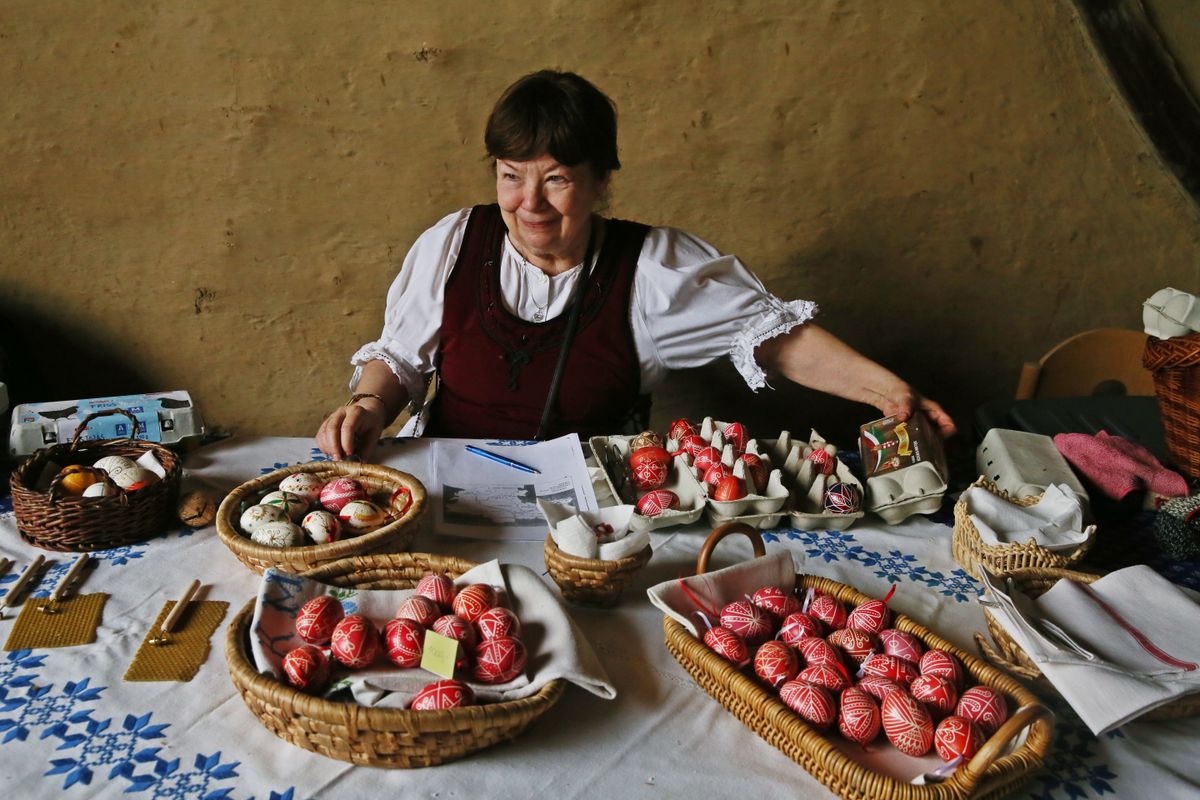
<point>303,484</point>
<point>278,534</point>
<point>293,505</point>
<point>115,464</point>
<point>257,516</point>
<point>99,490</point>
<point>322,527</point>
<point>133,479</point>
<point>362,516</point>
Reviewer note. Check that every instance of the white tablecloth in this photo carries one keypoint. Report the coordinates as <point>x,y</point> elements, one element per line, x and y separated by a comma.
<point>70,727</point>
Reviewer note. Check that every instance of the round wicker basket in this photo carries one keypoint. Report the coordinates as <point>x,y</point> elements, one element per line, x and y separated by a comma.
<point>590,581</point>
<point>378,737</point>
<point>1175,365</point>
<point>52,520</point>
<point>382,483</point>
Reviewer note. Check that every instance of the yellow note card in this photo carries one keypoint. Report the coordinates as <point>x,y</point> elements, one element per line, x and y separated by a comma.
<point>440,654</point>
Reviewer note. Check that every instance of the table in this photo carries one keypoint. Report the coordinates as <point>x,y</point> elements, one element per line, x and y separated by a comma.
<point>70,727</point>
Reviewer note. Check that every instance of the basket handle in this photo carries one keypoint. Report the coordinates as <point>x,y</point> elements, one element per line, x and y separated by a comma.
<point>760,549</point>
<point>974,769</point>
<point>55,492</point>
<point>108,412</point>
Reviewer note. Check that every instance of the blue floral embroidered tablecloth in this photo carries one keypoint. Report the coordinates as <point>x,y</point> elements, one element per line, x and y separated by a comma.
<point>70,727</point>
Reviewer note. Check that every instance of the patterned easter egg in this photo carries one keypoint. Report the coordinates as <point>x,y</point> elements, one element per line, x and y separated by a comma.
<point>303,484</point>
<point>705,458</point>
<point>496,623</point>
<point>442,695</point>
<point>340,491</point>
<point>854,643</point>
<point>859,719</point>
<point>957,737</point>
<point>799,626</point>
<point>437,588</point>
<point>896,669</point>
<point>657,501</point>
<point>735,434</point>
<point>715,473</point>
<point>942,664</point>
<point>317,618</point>
<point>293,505</point>
<point>361,516</point>
<point>907,724</point>
<point>877,686</point>
<point>679,429</point>
<point>728,645</point>
<point>307,668</point>
<point>404,641</point>
<point>775,663</point>
<point>747,621</point>
<point>823,463</point>
<point>255,516</point>
<point>901,644</point>
<point>278,534</point>
<point>937,693</point>
<point>499,660</point>
<point>776,601</point>
<point>472,601</point>
<point>457,628</point>
<point>842,498</point>
<point>872,616</point>
<point>832,676</point>
<point>818,651</point>
<point>813,703</point>
<point>692,444</point>
<point>649,467</point>
<point>828,609</point>
<point>114,465</point>
<point>756,471</point>
<point>645,439</point>
<point>419,609</point>
<point>728,488</point>
<point>355,642</point>
<point>321,526</point>
<point>984,706</point>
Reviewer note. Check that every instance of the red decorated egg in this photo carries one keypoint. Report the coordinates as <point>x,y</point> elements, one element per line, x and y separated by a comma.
<point>811,702</point>
<point>317,618</point>
<point>877,686</point>
<point>715,474</point>
<point>648,467</point>
<point>937,693</point>
<point>355,642</point>
<point>756,471</point>
<point>419,609</point>
<point>799,626</point>
<point>942,664</point>
<point>872,616</point>
<point>735,434</point>
<point>496,623</point>
<point>829,610</point>
<point>457,628</point>
<point>499,660</point>
<point>896,669</point>
<point>645,439</point>
<point>438,588</point>
<point>858,718</point>
<point>340,491</point>
<point>984,706</point>
<point>692,444</point>
<point>907,724</point>
<point>705,458</point>
<point>776,601</point>
<point>306,668</point>
<point>404,641</point>
<point>679,429</point>
<point>775,663</point>
<point>817,651</point>
<point>901,644</point>
<point>854,643</point>
<point>441,695</point>
<point>957,737</point>
<point>656,501</point>
<point>823,463</point>
<point>729,487</point>
<point>831,676</point>
<point>747,621</point>
<point>728,645</point>
<point>473,601</point>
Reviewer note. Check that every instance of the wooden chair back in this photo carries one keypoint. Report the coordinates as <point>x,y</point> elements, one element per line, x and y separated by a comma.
<point>1103,361</point>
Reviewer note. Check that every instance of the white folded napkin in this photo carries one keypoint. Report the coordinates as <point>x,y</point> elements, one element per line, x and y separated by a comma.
<point>713,590</point>
<point>602,534</point>
<point>1054,522</point>
<point>556,647</point>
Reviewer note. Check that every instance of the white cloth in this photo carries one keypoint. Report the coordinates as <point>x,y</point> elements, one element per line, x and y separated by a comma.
<point>691,305</point>
<point>1054,522</point>
<point>576,534</point>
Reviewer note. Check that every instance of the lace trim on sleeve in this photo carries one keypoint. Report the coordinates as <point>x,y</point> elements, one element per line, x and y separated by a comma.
<point>776,320</point>
<point>412,380</point>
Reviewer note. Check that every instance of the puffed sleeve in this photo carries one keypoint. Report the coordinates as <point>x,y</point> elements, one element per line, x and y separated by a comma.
<point>413,316</point>
<point>693,305</point>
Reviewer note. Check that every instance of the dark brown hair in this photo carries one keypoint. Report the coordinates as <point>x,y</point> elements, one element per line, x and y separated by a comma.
<point>558,113</point>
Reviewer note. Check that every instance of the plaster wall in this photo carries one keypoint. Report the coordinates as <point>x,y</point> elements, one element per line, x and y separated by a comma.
<point>215,195</point>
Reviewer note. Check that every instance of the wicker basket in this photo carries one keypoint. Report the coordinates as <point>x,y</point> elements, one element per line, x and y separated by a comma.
<point>1175,364</point>
<point>55,521</point>
<point>988,774</point>
<point>590,581</point>
<point>1008,655</point>
<point>377,737</point>
<point>380,482</point>
<point>971,551</point>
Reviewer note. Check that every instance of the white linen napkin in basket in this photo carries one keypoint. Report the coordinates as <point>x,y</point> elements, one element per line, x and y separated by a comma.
<point>716,589</point>
<point>575,532</point>
<point>1054,522</point>
<point>557,648</point>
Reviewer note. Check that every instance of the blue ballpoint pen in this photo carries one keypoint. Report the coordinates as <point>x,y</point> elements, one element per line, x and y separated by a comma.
<point>508,462</point>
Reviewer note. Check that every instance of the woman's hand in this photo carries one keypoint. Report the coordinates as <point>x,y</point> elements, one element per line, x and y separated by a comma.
<point>352,431</point>
<point>905,400</point>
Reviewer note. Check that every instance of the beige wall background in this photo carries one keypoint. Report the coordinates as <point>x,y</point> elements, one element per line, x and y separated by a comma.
<point>215,195</point>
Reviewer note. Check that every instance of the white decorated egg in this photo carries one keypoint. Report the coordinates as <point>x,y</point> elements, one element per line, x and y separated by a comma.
<point>114,465</point>
<point>255,516</point>
<point>322,527</point>
<point>278,534</point>
<point>361,516</point>
<point>303,484</point>
<point>292,504</point>
<point>100,489</point>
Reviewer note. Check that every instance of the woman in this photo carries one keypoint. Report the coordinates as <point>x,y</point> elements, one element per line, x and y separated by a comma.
<point>538,297</point>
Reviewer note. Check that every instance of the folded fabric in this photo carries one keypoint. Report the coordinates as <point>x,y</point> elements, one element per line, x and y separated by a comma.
<point>1054,522</point>
<point>603,534</point>
<point>681,598</point>
<point>1118,466</point>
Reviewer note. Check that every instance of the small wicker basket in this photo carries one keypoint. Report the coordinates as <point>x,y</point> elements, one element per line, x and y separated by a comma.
<point>382,483</point>
<point>989,774</point>
<point>55,521</point>
<point>377,737</point>
<point>590,581</point>
<point>971,551</point>
<point>1008,655</point>
<point>1175,365</point>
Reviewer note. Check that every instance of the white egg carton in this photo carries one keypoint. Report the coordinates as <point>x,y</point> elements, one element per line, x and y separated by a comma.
<point>681,481</point>
<point>1170,312</point>
<point>1024,464</point>
<point>908,474</point>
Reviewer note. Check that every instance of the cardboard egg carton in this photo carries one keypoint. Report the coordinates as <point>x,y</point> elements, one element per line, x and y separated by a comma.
<point>1024,464</point>
<point>806,508</point>
<point>612,455</point>
<point>905,467</point>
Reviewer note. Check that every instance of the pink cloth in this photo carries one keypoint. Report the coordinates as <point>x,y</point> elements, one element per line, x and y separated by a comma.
<point>1118,466</point>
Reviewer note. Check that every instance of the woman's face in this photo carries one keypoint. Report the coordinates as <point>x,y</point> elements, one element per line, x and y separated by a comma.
<point>547,208</point>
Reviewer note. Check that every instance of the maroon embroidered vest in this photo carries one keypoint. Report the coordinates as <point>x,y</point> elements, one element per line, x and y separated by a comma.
<point>495,368</point>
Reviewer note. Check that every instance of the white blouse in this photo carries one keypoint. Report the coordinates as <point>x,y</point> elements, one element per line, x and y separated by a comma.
<point>690,306</point>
